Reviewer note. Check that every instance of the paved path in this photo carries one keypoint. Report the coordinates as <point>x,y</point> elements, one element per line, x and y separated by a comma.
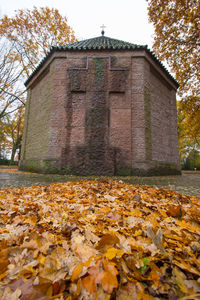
<point>187,183</point>
<point>9,179</point>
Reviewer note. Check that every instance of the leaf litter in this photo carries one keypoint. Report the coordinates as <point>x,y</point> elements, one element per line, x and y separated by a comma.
<point>95,239</point>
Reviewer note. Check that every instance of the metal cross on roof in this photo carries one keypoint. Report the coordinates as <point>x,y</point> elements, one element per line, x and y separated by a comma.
<point>103,27</point>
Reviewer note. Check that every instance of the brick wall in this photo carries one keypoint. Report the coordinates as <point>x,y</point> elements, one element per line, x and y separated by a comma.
<point>101,113</point>
<point>36,135</point>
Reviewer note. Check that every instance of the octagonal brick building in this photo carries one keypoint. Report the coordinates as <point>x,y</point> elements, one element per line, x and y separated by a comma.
<point>101,106</point>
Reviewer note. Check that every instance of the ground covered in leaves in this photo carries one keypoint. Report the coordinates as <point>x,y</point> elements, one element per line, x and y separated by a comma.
<point>187,183</point>
<point>98,240</point>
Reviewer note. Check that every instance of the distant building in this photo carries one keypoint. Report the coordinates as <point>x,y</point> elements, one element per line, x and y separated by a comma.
<point>101,107</point>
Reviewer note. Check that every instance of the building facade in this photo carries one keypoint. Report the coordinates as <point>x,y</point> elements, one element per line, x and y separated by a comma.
<point>101,107</point>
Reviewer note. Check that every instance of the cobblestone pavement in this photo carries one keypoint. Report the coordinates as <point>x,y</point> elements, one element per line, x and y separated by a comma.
<point>187,183</point>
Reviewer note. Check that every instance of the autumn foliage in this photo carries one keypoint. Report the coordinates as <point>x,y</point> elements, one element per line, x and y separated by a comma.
<point>98,240</point>
<point>177,41</point>
<point>25,39</point>
<point>34,32</point>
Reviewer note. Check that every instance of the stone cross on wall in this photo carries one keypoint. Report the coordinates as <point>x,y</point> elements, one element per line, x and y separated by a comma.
<point>94,84</point>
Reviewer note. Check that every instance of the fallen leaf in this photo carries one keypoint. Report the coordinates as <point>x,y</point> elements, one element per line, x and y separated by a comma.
<point>107,240</point>
<point>113,252</point>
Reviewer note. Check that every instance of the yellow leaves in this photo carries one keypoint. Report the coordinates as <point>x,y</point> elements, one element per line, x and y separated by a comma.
<point>81,269</point>
<point>3,230</point>
<point>103,254</point>
<point>187,226</point>
<point>38,26</point>
<point>194,213</point>
<point>3,275</point>
<point>177,41</point>
<point>136,213</point>
<point>153,217</point>
<point>113,252</point>
<point>77,271</point>
<point>41,259</point>
<point>137,233</point>
<point>65,216</point>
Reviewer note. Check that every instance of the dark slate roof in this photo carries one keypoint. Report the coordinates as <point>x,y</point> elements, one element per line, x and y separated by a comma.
<point>100,43</point>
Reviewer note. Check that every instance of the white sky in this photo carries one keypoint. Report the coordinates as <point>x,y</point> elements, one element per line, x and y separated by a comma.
<point>124,19</point>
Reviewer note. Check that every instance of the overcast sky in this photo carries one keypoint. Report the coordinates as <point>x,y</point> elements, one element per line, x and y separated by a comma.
<point>125,19</point>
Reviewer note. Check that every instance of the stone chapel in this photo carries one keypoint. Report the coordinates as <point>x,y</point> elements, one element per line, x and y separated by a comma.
<point>101,106</point>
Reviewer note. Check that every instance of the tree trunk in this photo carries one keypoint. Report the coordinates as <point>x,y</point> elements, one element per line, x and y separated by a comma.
<point>16,146</point>
<point>14,149</point>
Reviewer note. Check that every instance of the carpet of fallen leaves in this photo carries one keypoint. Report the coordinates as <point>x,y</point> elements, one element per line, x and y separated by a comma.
<point>98,240</point>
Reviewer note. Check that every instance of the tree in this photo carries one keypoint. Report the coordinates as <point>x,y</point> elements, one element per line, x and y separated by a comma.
<point>34,32</point>
<point>5,142</point>
<point>16,128</point>
<point>28,37</point>
<point>11,96</point>
<point>11,127</point>
<point>177,41</point>
<point>193,160</point>
<point>187,140</point>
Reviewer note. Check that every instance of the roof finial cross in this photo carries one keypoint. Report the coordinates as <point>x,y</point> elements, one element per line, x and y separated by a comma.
<point>103,27</point>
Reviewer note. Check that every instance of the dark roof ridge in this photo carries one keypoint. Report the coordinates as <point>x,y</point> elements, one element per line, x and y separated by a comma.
<point>98,43</point>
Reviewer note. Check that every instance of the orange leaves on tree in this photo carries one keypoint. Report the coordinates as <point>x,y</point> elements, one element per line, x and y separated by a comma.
<point>177,41</point>
<point>25,39</point>
<point>36,31</point>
